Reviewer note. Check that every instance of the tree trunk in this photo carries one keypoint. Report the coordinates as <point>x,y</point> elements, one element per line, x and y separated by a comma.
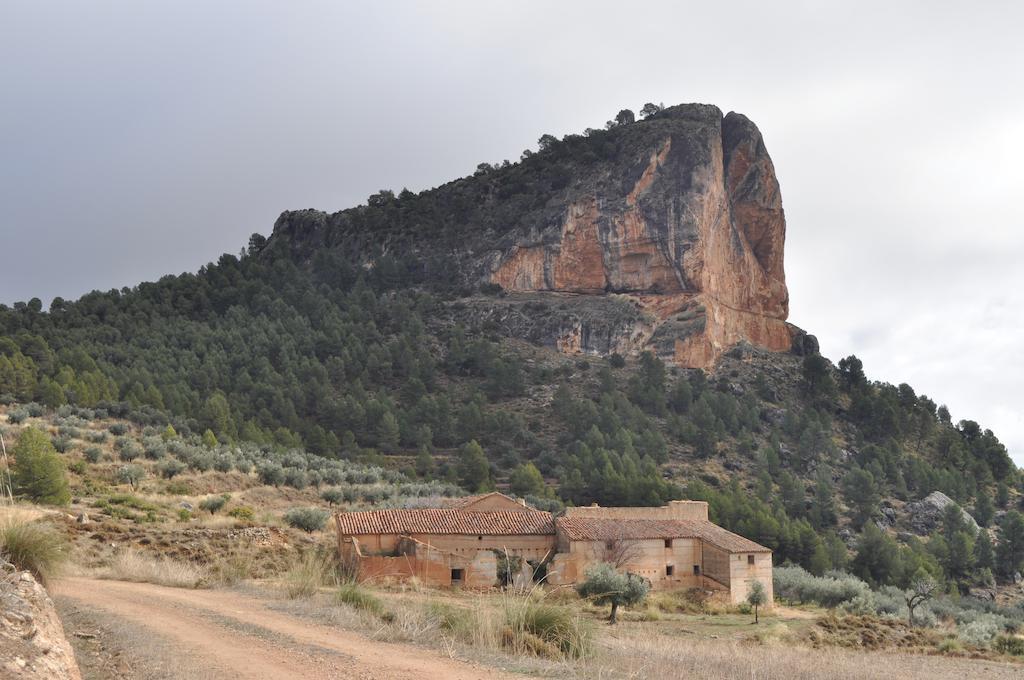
<point>755,614</point>
<point>615,609</point>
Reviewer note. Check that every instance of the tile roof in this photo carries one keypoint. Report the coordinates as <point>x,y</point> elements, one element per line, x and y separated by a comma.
<point>608,529</point>
<point>445,521</point>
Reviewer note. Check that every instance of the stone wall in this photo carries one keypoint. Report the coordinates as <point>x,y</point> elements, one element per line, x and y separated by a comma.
<point>673,510</point>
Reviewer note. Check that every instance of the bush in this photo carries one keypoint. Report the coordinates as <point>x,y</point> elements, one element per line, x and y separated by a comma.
<point>33,547</point>
<point>154,447</point>
<point>61,444</point>
<point>131,565</point>
<point>17,415</point>
<point>118,429</point>
<point>35,410</point>
<point>242,512</point>
<point>128,450</point>
<point>93,454</point>
<point>1009,644</point>
<point>270,474</point>
<point>96,436</point>
<point>169,469</point>
<point>333,496</point>
<point>831,590</point>
<point>545,629</point>
<point>981,631</point>
<point>243,465</point>
<point>131,475</point>
<point>359,598</point>
<point>296,478</point>
<point>307,519</point>
<point>213,504</point>
<point>224,463</point>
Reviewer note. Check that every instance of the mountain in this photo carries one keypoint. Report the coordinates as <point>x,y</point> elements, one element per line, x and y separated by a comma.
<point>671,228</point>
<point>602,321</point>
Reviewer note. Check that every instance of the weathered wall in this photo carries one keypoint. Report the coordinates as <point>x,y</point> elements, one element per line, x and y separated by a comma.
<point>673,510</point>
<point>742,574</point>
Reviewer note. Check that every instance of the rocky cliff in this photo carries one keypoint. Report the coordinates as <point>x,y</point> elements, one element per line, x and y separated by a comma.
<point>665,234</point>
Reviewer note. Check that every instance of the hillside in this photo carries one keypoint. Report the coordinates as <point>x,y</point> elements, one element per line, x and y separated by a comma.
<point>439,336</point>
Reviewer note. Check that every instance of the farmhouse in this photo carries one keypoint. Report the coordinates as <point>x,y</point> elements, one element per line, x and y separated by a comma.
<point>493,540</point>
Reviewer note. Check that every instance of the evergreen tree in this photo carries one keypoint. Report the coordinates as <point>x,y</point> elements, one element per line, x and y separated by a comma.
<point>526,480</point>
<point>862,493</point>
<point>473,470</point>
<point>984,511</point>
<point>984,558</point>
<point>1010,550</point>
<point>424,463</point>
<point>38,471</point>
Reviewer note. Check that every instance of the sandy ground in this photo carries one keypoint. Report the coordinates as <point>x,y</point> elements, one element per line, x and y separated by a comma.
<point>235,636</point>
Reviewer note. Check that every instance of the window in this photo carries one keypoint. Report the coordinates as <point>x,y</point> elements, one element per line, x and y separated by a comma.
<point>696,570</point>
<point>750,559</point>
<point>668,542</point>
<point>669,569</point>
<point>456,575</point>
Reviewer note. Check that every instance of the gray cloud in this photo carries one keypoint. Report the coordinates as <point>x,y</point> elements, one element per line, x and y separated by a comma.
<point>139,140</point>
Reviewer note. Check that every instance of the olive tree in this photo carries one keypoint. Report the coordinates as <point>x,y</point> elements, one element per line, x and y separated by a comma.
<point>603,585</point>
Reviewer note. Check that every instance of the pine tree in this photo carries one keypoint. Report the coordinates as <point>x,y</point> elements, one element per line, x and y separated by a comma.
<point>38,471</point>
<point>473,468</point>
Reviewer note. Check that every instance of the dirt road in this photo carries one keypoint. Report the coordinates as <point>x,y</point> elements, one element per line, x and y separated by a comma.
<point>237,636</point>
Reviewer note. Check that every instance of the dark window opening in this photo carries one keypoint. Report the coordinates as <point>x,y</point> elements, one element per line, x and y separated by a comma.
<point>668,542</point>
<point>669,570</point>
<point>696,570</point>
<point>479,538</point>
<point>750,559</point>
<point>456,575</point>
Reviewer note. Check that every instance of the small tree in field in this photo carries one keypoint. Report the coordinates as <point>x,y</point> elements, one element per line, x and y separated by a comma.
<point>212,504</point>
<point>38,471</point>
<point>603,585</point>
<point>756,597</point>
<point>922,588</point>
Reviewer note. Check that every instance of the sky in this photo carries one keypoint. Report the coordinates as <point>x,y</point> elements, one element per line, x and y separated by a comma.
<point>141,139</point>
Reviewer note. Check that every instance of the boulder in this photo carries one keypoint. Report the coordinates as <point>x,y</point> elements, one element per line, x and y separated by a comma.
<point>31,636</point>
<point>925,516</point>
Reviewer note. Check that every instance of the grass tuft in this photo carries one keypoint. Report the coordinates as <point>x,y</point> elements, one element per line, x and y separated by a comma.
<point>131,565</point>
<point>34,547</point>
<point>312,572</point>
<point>357,597</point>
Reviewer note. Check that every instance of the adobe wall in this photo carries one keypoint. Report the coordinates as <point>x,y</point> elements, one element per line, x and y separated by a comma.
<point>647,557</point>
<point>673,510</point>
<point>496,503</point>
<point>742,574</point>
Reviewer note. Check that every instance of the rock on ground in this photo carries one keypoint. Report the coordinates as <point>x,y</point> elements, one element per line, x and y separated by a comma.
<point>32,641</point>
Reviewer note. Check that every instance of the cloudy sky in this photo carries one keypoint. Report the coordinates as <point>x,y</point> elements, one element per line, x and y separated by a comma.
<point>138,139</point>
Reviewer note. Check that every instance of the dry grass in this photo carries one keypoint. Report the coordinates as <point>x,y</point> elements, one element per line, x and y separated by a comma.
<point>131,565</point>
<point>32,546</point>
<point>316,569</point>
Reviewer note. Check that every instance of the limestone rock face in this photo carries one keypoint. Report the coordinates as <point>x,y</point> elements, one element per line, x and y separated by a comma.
<point>925,515</point>
<point>32,641</point>
<point>678,217</point>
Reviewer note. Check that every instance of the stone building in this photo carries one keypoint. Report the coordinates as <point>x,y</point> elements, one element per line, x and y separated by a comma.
<point>490,540</point>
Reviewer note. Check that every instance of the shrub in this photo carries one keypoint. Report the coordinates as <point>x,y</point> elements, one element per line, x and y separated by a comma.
<point>1009,644</point>
<point>96,436</point>
<point>69,431</point>
<point>33,547</point>
<point>307,519</point>
<point>243,512</point>
<point>296,478</point>
<point>830,590</point>
<point>93,454</point>
<point>154,447</point>
<point>38,472</point>
<point>35,410</point>
<point>556,629</point>
<point>359,598</point>
<point>243,465</point>
<point>17,415</point>
<point>118,429</point>
<point>170,468</point>
<point>333,496</point>
<point>78,467</point>
<point>61,444</point>
<point>212,504</point>
<point>313,571</point>
<point>981,631</point>
<point>128,450</point>
<point>223,463</point>
<point>131,475</point>
<point>270,474</point>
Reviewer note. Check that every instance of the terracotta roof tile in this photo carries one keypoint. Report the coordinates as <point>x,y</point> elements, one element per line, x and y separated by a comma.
<point>444,521</point>
<point>607,529</point>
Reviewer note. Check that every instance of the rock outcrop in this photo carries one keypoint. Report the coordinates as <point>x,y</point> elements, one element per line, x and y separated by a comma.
<point>678,217</point>
<point>925,516</point>
<point>32,641</point>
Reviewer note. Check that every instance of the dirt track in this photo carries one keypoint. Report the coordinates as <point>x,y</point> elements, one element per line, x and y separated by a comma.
<point>239,637</point>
